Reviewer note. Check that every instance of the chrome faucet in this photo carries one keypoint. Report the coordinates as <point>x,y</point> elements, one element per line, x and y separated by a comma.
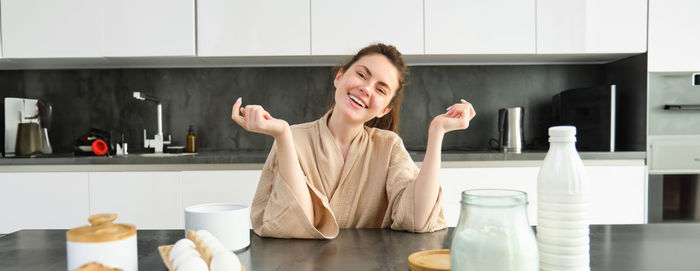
<point>157,142</point>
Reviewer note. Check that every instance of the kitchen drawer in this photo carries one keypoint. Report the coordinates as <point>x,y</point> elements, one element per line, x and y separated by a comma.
<point>675,156</point>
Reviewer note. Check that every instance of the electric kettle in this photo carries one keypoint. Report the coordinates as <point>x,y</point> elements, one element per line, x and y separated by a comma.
<point>511,137</point>
<point>28,139</point>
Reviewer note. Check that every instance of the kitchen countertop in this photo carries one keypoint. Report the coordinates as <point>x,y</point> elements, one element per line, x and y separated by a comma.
<point>670,246</point>
<point>254,160</point>
<point>258,157</point>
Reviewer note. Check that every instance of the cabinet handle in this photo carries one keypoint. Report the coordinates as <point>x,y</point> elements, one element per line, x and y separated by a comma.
<point>682,107</point>
<point>697,159</point>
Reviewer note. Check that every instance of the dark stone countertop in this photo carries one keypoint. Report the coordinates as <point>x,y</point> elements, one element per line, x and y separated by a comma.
<point>258,157</point>
<point>672,246</point>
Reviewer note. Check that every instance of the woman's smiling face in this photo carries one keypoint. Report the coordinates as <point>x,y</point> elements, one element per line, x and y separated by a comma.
<point>364,91</point>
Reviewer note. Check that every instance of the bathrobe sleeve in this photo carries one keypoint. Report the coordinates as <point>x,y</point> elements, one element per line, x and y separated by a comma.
<point>401,191</point>
<point>275,211</point>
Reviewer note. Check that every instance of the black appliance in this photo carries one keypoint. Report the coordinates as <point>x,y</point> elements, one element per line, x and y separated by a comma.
<point>592,111</point>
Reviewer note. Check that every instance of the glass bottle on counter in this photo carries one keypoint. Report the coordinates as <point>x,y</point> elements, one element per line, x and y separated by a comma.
<point>562,205</point>
<point>191,140</point>
<point>493,233</point>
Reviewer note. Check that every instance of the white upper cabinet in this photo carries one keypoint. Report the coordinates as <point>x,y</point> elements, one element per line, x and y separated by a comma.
<point>343,27</point>
<point>128,32</point>
<point>480,27</point>
<point>51,29</point>
<point>591,26</point>
<point>674,42</point>
<point>149,28</point>
<point>89,28</point>
<point>253,28</point>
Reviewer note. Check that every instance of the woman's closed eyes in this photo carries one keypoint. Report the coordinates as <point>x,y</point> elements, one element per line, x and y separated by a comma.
<point>364,77</point>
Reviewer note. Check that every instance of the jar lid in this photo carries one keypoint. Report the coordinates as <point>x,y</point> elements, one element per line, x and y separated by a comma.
<point>430,260</point>
<point>101,230</point>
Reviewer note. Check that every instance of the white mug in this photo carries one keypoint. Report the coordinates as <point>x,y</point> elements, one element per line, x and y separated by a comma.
<point>229,223</point>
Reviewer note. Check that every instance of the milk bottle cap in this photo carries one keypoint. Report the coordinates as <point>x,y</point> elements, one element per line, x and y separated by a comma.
<point>562,131</point>
<point>562,134</point>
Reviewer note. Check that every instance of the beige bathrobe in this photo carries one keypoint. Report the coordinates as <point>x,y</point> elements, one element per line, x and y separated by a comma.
<point>373,188</point>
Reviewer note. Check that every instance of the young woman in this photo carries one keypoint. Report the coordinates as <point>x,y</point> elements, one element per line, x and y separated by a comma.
<point>350,169</point>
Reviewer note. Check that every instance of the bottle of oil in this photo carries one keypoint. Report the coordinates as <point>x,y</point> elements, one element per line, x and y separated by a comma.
<point>191,140</point>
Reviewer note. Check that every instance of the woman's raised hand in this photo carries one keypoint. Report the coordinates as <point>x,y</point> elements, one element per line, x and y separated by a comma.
<point>457,117</point>
<point>254,118</point>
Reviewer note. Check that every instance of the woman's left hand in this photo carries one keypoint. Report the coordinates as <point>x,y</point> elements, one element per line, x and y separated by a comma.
<point>457,117</point>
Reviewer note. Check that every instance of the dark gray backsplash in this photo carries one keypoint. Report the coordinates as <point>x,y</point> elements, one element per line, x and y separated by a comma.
<point>203,98</point>
<point>489,88</point>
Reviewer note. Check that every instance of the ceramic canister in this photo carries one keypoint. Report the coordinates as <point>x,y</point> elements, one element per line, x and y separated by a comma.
<point>113,245</point>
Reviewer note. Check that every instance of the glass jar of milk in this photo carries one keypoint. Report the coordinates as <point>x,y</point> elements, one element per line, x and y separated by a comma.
<point>493,233</point>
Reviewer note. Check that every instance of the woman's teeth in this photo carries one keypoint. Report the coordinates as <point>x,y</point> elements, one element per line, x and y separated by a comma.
<point>357,101</point>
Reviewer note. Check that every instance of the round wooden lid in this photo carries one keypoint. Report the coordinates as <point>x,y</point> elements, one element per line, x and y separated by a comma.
<point>101,230</point>
<point>430,260</point>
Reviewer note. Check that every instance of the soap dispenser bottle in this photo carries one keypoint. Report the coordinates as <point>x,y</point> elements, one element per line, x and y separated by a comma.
<point>191,140</point>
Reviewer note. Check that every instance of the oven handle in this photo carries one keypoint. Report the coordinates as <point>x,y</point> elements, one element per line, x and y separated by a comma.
<point>682,107</point>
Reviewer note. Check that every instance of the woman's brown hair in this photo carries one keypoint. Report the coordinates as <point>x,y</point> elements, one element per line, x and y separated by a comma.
<point>390,121</point>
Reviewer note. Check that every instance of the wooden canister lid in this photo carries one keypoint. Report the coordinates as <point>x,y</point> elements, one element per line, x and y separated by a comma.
<point>95,266</point>
<point>430,260</point>
<point>101,230</point>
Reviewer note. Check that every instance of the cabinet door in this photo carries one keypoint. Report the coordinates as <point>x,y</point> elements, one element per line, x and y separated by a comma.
<point>479,27</point>
<point>253,28</point>
<point>673,35</point>
<point>591,26</point>
<point>149,28</point>
<point>46,200</point>
<point>229,186</point>
<point>456,180</point>
<point>224,186</point>
<point>47,29</point>
<point>343,27</point>
<point>618,194</point>
<point>149,200</point>
<point>673,154</point>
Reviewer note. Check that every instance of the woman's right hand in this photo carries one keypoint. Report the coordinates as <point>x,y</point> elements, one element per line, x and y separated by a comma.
<point>254,118</point>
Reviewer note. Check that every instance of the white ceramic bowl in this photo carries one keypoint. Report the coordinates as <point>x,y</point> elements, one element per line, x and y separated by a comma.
<point>227,222</point>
